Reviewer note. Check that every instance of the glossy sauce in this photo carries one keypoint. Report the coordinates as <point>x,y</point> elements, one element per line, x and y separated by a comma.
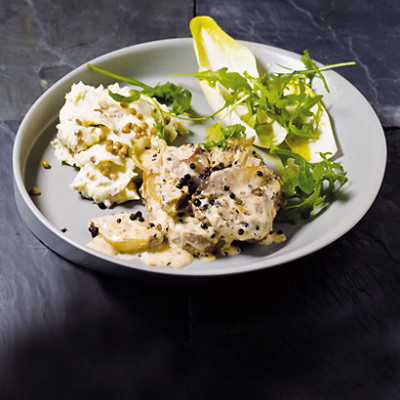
<point>199,204</point>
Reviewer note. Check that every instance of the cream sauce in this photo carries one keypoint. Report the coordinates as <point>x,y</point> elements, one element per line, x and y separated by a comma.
<point>197,206</point>
<point>167,256</point>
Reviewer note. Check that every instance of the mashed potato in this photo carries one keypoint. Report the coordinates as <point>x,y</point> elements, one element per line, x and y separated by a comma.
<point>96,134</point>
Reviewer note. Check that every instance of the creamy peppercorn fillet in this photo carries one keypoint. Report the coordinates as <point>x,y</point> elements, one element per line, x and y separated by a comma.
<point>96,134</point>
<point>202,203</point>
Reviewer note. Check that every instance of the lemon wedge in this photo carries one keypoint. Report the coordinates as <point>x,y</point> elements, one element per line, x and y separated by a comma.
<point>215,49</point>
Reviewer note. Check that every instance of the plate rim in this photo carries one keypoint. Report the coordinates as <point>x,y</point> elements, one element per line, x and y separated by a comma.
<point>31,214</point>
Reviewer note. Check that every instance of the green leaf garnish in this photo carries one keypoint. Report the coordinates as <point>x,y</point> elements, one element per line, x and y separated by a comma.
<point>168,93</point>
<point>160,130</point>
<point>124,99</point>
<point>217,135</point>
<point>286,98</point>
<point>177,97</point>
<point>132,81</point>
<point>229,80</point>
<point>314,70</point>
<point>307,189</point>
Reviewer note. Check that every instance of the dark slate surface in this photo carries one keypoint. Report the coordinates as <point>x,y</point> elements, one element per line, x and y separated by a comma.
<point>324,327</point>
<point>43,40</point>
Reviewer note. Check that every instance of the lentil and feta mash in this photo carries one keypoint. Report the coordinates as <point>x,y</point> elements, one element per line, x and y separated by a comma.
<point>96,134</point>
<point>200,202</point>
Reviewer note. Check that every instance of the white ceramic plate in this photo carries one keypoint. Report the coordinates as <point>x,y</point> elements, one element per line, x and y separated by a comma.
<point>359,134</point>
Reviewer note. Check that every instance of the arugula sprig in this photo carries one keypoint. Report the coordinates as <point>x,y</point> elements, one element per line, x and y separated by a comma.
<point>229,80</point>
<point>307,189</point>
<point>218,134</point>
<point>124,99</point>
<point>314,70</point>
<point>176,97</point>
<point>286,98</point>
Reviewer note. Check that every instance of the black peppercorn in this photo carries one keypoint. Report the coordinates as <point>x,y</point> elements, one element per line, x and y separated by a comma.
<point>197,202</point>
<point>102,206</point>
<point>93,229</point>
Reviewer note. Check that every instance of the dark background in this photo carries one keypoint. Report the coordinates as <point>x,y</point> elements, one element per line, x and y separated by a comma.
<point>323,327</point>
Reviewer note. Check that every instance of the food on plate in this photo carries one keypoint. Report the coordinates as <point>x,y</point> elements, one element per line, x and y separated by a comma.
<point>202,199</point>
<point>96,134</point>
<point>200,203</point>
<point>35,191</point>
<point>45,164</point>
